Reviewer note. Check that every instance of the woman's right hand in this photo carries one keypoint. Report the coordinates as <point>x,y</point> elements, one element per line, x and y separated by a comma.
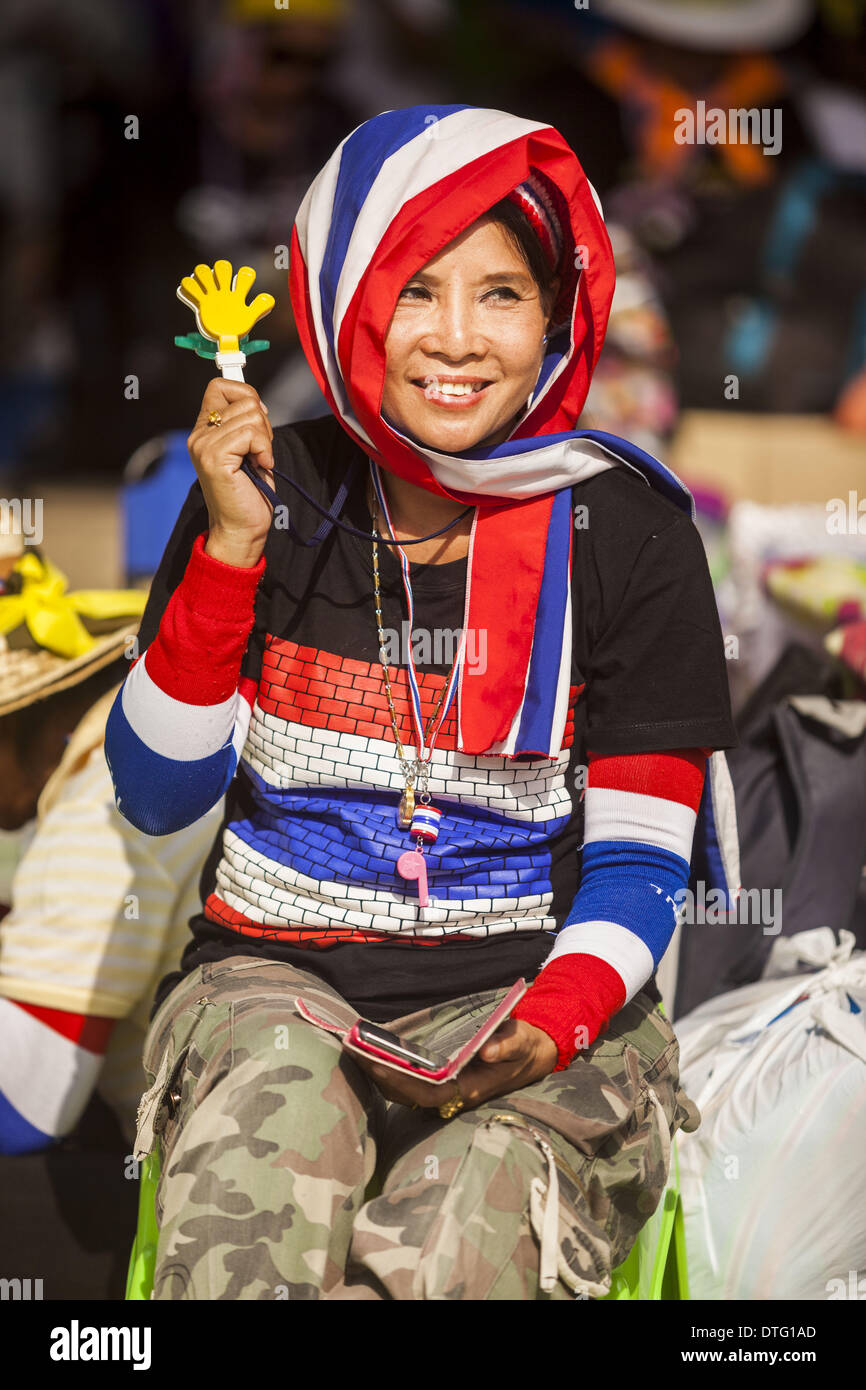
<point>240,517</point>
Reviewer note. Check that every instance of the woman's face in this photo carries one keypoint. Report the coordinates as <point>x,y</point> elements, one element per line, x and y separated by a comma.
<point>465,345</point>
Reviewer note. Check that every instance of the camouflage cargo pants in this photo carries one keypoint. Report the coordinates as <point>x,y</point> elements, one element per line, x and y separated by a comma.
<point>286,1174</point>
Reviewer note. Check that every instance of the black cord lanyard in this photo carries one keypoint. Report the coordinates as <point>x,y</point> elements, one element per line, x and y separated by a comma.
<point>330,516</point>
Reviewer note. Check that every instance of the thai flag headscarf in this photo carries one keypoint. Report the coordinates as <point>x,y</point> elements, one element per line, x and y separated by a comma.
<point>394,194</point>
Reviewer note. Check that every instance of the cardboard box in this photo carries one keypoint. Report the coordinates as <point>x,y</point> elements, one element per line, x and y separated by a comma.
<point>768,458</point>
<point>82,534</point>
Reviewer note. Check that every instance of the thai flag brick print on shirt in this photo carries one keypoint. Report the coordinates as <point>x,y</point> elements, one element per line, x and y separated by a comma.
<point>322,848</point>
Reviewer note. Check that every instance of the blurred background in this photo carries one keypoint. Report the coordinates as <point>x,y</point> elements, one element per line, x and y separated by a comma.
<point>142,137</point>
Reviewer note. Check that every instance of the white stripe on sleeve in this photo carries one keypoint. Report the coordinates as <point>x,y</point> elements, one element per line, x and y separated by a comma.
<point>649,820</point>
<point>173,728</point>
<point>622,950</point>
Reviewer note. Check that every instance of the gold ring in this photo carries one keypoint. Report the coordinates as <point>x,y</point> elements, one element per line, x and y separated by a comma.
<point>214,418</point>
<point>451,1107</point>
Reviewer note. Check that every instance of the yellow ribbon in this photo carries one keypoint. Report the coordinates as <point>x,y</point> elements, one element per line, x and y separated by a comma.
<point>52,615</point>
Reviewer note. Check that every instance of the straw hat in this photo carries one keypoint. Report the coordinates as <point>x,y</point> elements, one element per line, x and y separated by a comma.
<point>723,25</point>
<point>51,639</point>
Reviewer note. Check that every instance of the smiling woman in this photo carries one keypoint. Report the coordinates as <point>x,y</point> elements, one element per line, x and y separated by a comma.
<point>466,344</point>
<point>547,798</point>
<point>464,350</point>
<point>456,313</point>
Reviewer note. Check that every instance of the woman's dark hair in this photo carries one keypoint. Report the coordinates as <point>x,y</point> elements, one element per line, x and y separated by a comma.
<point>523,238</point>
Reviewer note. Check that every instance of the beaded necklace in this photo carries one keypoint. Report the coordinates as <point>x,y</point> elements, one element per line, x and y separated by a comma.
<point>419,816</point>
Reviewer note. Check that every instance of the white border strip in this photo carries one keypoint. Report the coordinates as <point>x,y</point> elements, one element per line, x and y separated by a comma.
<point>173,729</point>
<point>630,957</point>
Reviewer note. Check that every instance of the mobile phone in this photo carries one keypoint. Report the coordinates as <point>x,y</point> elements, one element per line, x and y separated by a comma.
<point>391,1051</point>
<point>389,1042</point>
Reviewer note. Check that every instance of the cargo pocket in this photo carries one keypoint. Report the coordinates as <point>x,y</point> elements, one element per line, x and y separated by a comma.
<point>662,1079</point>
<point>572,1247</point>
<point>627,1171</point>
<point>660,1068</point>
<point>159,1106</point>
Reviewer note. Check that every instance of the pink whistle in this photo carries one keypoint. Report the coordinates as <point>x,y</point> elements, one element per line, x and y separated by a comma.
<point>411,865</point>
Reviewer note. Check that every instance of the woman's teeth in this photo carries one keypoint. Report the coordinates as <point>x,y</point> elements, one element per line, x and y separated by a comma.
<point>451,388</point>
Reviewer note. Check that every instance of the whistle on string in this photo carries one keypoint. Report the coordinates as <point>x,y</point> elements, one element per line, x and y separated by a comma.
<point>411,865</point>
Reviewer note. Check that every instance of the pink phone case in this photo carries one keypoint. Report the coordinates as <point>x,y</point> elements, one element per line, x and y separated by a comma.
<point>455,1064</point>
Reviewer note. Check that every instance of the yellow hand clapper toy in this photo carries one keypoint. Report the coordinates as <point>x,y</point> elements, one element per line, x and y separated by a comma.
<point>221,310</point>
<point>224,317</point>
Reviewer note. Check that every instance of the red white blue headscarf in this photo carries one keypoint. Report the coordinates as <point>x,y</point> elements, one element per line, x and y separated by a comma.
<point>394,194</point>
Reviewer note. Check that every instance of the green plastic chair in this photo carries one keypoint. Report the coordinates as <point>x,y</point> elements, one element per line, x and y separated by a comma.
<point>655,1268</point>
<point>142,1261</point>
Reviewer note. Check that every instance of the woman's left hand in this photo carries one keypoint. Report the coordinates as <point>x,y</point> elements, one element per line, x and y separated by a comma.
<point>516,1055</point>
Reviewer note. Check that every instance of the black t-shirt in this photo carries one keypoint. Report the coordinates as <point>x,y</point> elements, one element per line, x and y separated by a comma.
<point>648,673</point>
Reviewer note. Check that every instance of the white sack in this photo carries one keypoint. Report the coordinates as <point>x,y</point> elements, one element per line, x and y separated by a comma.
<point>774,1180</point>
